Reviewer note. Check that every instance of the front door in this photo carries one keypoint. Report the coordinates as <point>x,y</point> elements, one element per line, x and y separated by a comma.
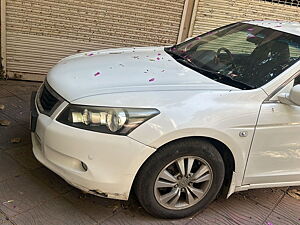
<point>275,152</point>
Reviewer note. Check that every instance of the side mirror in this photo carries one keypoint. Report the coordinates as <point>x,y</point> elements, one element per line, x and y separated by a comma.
<point>292,98</point>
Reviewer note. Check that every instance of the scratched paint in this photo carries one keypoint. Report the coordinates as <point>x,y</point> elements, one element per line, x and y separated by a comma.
<point>115,53</point>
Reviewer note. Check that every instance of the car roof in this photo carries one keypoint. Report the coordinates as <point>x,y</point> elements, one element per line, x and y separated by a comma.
<point>284,26</point>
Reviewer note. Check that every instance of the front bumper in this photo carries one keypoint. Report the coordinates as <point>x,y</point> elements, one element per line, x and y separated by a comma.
<point>112,161</point>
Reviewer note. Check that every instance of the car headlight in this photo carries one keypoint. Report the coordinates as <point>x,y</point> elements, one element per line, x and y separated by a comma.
<point>105,119</point>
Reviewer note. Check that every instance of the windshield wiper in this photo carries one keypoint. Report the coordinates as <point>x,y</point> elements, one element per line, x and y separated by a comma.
<point>225,79</point>
<point>213,75</point>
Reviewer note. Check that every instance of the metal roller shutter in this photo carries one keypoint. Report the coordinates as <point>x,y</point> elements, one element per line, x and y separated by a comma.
<point>210,14</point>
<point>40,32</point>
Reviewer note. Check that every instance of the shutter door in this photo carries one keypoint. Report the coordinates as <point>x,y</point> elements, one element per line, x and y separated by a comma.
<point>41,32</point>
<point>211,14</point>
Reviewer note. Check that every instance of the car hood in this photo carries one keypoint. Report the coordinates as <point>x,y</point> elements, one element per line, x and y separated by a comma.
<point>125,70</point>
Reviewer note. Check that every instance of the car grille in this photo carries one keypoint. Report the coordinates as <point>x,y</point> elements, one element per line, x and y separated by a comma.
<point>48,100</point>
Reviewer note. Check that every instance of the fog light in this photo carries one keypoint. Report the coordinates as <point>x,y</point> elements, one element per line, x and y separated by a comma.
<point>84,166</point>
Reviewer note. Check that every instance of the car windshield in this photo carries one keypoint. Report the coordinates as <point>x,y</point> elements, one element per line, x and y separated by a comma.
<point>241,55</point>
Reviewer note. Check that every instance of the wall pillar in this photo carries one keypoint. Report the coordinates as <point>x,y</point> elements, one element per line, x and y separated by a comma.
<point>3,37</point>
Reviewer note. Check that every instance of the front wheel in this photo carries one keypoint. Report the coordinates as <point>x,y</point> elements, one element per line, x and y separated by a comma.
<point>180,179</point>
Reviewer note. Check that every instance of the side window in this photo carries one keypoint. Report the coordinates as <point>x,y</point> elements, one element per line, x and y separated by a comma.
<point>297,81</point>
<point>294,51</point>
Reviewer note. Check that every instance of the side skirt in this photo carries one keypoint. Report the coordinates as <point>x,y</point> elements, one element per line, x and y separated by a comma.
<point>256,186</point>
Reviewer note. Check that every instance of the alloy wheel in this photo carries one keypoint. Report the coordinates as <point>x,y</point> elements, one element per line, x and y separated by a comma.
<point>183,182</point>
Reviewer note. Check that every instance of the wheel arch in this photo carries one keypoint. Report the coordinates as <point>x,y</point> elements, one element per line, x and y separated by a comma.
<point>223,149</point>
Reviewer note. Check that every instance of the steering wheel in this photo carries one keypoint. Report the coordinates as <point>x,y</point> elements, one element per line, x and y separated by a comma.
<point>217,58</point>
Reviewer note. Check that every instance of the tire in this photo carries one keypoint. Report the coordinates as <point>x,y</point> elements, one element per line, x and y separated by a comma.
<point>195,192</point>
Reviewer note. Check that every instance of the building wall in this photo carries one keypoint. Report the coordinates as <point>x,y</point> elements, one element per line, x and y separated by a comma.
<point>41,32</point>
<point>2,40</point>
<point>210,14</point>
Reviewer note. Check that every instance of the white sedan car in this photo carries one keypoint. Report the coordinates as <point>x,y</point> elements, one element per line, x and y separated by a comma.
<point>176,124</point>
